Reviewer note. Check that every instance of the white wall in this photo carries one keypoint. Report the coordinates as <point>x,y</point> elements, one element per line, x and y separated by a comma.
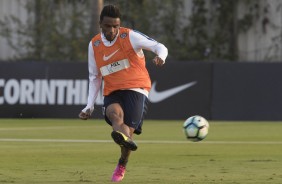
<point>260,43</point>
<point>263,42</point>
<point>255,45</point>
<point>7,8</point>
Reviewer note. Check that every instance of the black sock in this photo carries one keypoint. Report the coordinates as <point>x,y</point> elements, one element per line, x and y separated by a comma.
<point>122,162</point>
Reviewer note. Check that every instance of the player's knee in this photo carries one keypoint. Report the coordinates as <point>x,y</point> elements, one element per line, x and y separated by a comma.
<point>114,116</point>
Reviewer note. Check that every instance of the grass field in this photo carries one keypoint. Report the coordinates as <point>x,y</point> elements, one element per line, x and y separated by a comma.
<point>61,151</point>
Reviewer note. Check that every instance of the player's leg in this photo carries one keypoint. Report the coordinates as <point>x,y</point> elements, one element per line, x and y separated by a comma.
<point>133,107</point>
<point>125,152</point>
<point>114,113</point>
<point>126,117</point>
<point>122,133</point>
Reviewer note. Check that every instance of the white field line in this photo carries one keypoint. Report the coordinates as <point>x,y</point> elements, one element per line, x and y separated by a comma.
<point>140,141</point>
<point>37,128</point>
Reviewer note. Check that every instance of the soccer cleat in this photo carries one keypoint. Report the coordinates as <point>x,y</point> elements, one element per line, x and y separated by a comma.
<point>123,140</point>
<point>118,173</point>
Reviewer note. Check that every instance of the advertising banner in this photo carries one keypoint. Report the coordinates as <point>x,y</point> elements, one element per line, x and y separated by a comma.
<point>247,91</point>
<point>60,90</point>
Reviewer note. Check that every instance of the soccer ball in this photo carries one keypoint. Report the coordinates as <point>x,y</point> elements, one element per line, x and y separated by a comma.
<point>196,128</point>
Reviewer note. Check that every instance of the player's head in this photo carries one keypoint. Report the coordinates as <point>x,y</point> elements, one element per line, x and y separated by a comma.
<point>110,21</point>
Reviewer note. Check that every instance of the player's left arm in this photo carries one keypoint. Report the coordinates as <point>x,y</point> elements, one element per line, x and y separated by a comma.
<point>140,41</point>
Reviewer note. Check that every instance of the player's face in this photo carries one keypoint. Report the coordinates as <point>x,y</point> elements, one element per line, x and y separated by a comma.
<point>110,27</point>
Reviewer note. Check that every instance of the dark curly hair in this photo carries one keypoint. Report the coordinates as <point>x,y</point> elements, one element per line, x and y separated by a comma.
<point>110,11</point>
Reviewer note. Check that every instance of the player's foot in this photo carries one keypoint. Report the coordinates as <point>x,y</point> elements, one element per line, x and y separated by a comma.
<point>123,140</point>
<point>118,173</point>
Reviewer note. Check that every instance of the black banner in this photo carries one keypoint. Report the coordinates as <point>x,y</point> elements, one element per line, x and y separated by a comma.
<point>217,91</point>
<point>59,90</point>
<point>42,90</point>
<point>247,91</point>
<point>191,82</point>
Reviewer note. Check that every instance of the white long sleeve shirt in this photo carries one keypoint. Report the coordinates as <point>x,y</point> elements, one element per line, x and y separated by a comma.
<point>138,41</point>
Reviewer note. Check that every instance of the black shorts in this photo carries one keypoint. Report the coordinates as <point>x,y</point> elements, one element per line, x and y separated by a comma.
<point>134,105</point>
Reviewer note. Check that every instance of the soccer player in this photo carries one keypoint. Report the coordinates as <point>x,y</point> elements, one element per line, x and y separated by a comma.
<point>115,56</point>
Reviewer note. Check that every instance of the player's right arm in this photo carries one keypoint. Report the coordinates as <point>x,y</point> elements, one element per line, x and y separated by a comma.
<point>95,81</point>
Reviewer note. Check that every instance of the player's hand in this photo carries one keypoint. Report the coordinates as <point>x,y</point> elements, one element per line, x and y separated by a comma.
<point>85,115</point>
<point>158,61</point>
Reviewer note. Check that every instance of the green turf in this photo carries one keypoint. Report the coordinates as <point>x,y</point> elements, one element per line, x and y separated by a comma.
<point>60,151</point>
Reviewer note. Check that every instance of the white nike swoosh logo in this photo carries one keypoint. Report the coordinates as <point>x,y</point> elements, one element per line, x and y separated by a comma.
<point>106,58</point>
<point>156,96</point>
